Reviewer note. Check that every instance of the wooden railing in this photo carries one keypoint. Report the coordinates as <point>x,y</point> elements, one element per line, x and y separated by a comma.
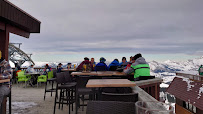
<point>37,69</point>
<point>190,76</point>
<point>151,86</point>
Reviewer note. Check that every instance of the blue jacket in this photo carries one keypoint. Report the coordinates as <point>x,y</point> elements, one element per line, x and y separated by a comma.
<point>113,63</point>
<point>59,69</point>
<point>99,65</point>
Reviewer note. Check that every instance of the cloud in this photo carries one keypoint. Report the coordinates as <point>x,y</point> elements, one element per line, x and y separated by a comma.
<point>114,26</point>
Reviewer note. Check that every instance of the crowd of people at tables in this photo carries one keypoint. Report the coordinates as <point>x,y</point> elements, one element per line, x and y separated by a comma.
<point>136,65</point>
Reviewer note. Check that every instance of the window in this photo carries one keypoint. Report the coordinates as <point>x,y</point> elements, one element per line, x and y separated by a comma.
<point>189,107</point>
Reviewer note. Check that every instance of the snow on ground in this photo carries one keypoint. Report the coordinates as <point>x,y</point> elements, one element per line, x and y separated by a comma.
<point>22,105</point>
<point>163,85</point>
<point>189,85</point>
<point>200,92</point>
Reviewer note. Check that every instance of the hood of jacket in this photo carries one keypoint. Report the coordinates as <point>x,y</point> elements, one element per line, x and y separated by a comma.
<point>114,63</point>
<point>139,60</point>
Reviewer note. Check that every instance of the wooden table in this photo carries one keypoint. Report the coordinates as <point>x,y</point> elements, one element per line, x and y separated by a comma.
<point>65,69</point>
<point>34,76</point>
<point>99,73</point>
<point>94,83</point>
<point>6,80</point>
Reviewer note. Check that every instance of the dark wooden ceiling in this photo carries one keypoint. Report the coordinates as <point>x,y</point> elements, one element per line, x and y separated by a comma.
<point>11,14</point>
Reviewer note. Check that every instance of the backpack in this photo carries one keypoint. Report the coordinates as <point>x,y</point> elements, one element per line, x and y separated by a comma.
<point>201,70</point>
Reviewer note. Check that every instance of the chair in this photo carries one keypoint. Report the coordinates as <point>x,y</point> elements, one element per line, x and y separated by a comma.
<point>69,81</point>
<point>23,78</point>
<point>64,87</point>
<point>51,80</point>
<point>54,73</point>
<point>125,97</point>
<point>113,68</point>
<point>82,90</point>
<point>41,78</point>
<point>110,107</point>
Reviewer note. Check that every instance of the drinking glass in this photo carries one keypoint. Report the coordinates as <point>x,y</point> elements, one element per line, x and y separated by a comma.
<point>153,107</point>
<point>85,67</point>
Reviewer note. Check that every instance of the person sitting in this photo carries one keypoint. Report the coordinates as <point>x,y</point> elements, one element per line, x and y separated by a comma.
<point>93,63</point>
<point>30,69</point>
<point>132,60</point>
<point>101,66</point>
<point>124,63</point>
<point>69,66</point>
<point>5,69</point>
<point>47,68</point>
<point>59,68</point>
<point>85,62</point>
<point>140,67</point>
<point>113,65</point>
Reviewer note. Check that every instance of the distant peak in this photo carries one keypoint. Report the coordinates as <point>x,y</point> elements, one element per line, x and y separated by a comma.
<point>168,61</point>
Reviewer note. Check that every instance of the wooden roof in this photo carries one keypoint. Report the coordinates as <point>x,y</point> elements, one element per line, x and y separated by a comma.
<point>187,90</point>
<point>11,14</point>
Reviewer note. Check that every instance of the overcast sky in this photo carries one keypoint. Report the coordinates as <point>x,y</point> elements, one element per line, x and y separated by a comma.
<point>72,29</point>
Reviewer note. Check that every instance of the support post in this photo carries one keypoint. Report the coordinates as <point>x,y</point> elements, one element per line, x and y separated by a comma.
<point>4,42</point>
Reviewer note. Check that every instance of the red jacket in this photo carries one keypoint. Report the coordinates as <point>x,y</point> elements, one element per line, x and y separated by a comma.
<point>79,68</point>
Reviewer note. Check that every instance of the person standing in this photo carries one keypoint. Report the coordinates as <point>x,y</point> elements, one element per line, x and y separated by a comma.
<point>201,70</point>
<point>140,67</point>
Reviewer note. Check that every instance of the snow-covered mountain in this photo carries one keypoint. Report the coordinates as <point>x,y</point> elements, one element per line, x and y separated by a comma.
<point>172,66</point>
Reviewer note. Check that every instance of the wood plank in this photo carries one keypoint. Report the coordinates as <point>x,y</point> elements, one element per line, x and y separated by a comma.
<point>99,73</point>
<point>181,110</point>
<point>84,73</point>
<point>17,31</point>
<point>149,81</point>
<point>6,80</point>
<point>109,83</point>
<point>110,73</point>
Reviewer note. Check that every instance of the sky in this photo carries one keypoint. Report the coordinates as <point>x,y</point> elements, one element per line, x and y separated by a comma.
<point>73,29</point>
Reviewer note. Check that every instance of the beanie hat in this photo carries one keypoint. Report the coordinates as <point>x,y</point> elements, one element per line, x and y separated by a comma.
<point>102,59</point>
<point>137,56</point>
